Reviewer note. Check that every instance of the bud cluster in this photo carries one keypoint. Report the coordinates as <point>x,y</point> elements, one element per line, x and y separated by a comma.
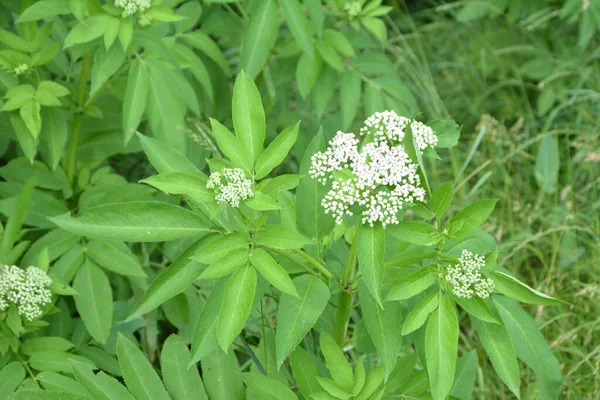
<point>379,176</point>
<point>130,7</point>
<point>230,186</point>
<point>25,289</point>
<point>466,279</point>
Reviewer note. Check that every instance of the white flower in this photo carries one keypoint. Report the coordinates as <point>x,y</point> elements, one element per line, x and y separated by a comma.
<point>379,176</point>
<point>130,7</point>
<point>230,185</point>
<point>26,289</point>
<point>466,279</point>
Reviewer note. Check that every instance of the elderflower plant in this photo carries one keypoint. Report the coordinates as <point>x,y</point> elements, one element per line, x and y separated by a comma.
<point>380,176</point>
<point>466,279</point>
<point>230,186</point>
<point>25,289</point>
<point>130,7</point>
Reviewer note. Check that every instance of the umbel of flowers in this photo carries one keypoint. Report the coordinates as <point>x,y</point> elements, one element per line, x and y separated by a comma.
<point>131,7</point>
<point>230,186</point>
<point>27,290</point>
<point>466,279</point>
<point>379,176</point>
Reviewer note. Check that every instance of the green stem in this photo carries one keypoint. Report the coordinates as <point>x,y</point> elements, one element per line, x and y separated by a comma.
<point>26,365</point>
<point>345,297</point>
<point>320,267</point>
<point>71,155</point>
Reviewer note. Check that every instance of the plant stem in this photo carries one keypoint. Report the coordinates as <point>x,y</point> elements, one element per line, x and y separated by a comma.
<point>320,267</point>
<point>71,155</point>
<point>345,297</point>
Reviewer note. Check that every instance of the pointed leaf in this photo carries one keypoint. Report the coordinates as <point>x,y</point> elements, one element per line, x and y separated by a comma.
<point>370,251</point>
<point>94,300</point>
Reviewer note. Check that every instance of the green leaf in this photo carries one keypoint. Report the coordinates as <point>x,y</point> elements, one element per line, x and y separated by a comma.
<point>441,199</point>
<point>33,345</point>
<point>373,381</point>
<point>419,314</point>
<point>54,132</point>
<point>516,289</point>
<point>339,41</point>
<point>500,350</point>
<point>248,116</point>
<point>172,281</point>
<point>259,37</point>
<point>205,334</point>
<point>531,346</point>
<point>221,374</point>
<point>232,147</point>
<point>44,9</point>
<point>100,386</point>
<point>226,265</point>
<point>305,372</point>
<point>370,249</point>
<point>330,56</point>
<point>547,164</point>
<point>181,183</point>
<point>136,91</point>
<point>267,388</point>
<point>420,233</point>
<point>464,378</point>
<point>383,327</point>
<point>56,361</point>
<point>334,389</point>
<point>181,382</point>
<point>276,152</point>
<point>447,131</point>
<point>476,306</point>
<point>297,315</point>
<point>350,90</point>
<point>273,272</point>
<point>307,73</point>
<point>11,376</point>
<point>377,27</point>
<point>164,14</point>
<point>207,46</point>
<point>441,343</point>
<point>78,8</point>
<point>134,221</point>
<point>315,11</point>
<point>298,24</point>
<point>31,114</point>
<point>411,285</point>
<point>142,380</point>
<point>94,300</point>
<point>360,376</point>
<point>84,32</point>
<point>279,237</point>
<point>310,215</point>
<point>56,381</point>
<point>237,304</point>
<point>115,257</point>
<point>220,247</point>
<point>262,202</point>
<point>164,158</point>
<point>338,365</point>
<point>472,216</point>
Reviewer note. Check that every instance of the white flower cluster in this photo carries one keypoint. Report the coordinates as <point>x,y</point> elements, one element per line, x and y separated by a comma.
<point>26,289</point>
<point>379,176</point>
<point>466,279</point>
<point>391,126</point>
<point>230,185</point>
<point>130,7</point>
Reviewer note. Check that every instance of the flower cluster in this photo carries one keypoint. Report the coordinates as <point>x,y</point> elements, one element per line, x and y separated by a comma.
<point>230,185</point>
<point>466,279</point>
<point>26,289</point>
<point>380,177</point>
<point>130,7</point>
<point>21,69</point>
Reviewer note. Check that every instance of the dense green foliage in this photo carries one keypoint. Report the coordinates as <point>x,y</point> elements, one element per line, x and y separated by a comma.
<point>158,171</point>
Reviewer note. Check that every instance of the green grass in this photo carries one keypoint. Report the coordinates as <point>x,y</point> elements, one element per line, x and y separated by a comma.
<point>475,74</point>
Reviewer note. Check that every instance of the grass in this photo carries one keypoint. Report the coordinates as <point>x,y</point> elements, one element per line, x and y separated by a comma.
<point>475,74</point>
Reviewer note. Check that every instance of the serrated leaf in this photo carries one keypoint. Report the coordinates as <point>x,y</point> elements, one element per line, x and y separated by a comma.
<point>441,199</point>
<point>338,365</point>
<point>273,272</point>
<point>279,237</point>
<point>370,250</point>
<point>182,383</point>
<point>297,315</point>
<point>277,151</point>
<point>259,37</point>
<point>248,116</point>
<point>267,388</point>
<point>472,216</point>
<point>94,300</point>
<point>516,289</point>
<point>411,285</point>
<point>298,24</point>
<point>205,333</point>
<point>419,314</point>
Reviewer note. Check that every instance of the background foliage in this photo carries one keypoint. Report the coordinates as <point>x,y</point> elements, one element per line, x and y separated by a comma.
<point>79,79</point>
